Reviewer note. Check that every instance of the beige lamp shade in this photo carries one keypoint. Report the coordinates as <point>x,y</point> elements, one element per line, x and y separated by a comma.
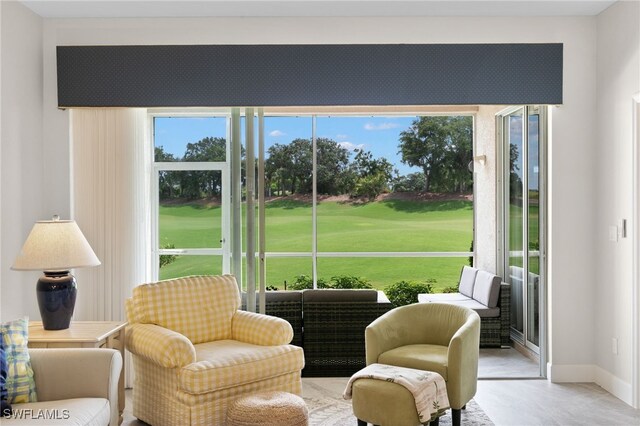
<point>55,245</point>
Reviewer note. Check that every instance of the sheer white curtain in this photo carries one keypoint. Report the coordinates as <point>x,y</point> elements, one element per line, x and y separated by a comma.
<point>109,193</point>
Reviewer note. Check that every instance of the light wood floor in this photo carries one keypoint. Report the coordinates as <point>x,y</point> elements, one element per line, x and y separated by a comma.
<point>512,402</point>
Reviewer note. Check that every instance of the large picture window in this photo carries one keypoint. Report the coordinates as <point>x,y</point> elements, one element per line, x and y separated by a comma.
<point>380,199</point>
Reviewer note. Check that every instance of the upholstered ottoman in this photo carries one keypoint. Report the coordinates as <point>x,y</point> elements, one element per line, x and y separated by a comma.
<point>268,408</point>
<point>381,400</point>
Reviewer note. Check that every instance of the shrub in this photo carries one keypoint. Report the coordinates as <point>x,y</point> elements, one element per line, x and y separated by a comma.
<point>302,282</point>
<point>370,186</point>
<point>406,292</point>
<point>166,259</point>
<point>349,281</point>
<point>413,182</point>
<point>450,289</point>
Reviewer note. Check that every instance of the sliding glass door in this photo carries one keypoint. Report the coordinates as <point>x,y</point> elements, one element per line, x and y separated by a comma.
<point>521,133</point>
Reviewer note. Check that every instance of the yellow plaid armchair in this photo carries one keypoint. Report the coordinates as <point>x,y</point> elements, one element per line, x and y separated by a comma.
<point>194,352</point>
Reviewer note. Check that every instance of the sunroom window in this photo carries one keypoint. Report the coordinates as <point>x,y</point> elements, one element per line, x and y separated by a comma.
<point>380,198</point>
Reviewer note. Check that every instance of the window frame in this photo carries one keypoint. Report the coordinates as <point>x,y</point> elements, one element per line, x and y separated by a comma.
<point>314,254</point>
<point>160,166</point>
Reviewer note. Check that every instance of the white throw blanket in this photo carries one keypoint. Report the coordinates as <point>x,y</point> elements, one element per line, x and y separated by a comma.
<point>428,388</point>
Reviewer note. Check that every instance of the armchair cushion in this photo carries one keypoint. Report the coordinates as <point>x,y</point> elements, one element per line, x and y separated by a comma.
<point>487,289</point>
<point>420,357</point>
<point>467,280</point>
<point>198,307</point>
<point>229,363</point>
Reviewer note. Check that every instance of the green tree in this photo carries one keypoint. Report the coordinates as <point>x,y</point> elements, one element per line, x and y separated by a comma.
<point>333,167</point>
<point>196,184</point>
<point>289,167</point>
<point>301,165</point>
<point>169,181</point>
<point>515,182</point>
<point>413,182</point>
<point>459,154</point>
<point>372,175</point>
<point>442,147</point>
<point>276,168</point>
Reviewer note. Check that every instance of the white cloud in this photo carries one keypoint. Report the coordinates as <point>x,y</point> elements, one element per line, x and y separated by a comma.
<point>277,133</point>
<point>381,126</point>
<point>351,146</point>
<point>341,137</point>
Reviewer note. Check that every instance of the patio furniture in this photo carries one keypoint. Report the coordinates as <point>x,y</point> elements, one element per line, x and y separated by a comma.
<point>194,352</point>
<point>486,294</point>
<point>432,337</point>
<point>334,323</point>
<point>267,409</point>
<point>516,274</point>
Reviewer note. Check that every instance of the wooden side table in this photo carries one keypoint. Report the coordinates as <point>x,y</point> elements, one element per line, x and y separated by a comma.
<point>84,334</point>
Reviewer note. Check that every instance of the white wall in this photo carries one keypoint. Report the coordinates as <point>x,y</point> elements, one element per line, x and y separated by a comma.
<point>618,50</point>
<point>572,271</point>
<point>485,197</point>
<point>22,160</point>
<point>573,194</point>
<point>571,198</point>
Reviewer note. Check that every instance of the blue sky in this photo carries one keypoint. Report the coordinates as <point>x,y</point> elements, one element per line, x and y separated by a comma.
<point>376,134</point>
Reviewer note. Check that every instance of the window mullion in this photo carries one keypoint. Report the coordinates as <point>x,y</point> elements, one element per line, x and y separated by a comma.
<point>314,208</point>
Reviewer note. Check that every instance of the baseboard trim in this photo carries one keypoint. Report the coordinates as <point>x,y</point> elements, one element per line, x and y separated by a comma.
<point>614,385</point>
<point>567,373</point>
<point>589,373</point>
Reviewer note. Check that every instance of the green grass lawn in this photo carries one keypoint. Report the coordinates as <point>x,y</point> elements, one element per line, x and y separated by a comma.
<point>392,225</point>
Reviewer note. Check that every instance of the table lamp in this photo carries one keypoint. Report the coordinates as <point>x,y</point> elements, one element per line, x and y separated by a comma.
<point>55,246</point>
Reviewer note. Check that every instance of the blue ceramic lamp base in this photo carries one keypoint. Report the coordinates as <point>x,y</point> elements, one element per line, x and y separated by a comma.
<point>56,293</point>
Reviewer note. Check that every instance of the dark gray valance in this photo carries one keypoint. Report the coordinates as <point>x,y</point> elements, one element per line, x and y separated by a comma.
<point>309,75</point>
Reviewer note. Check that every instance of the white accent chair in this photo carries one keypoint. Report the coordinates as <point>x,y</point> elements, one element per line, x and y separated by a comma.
<point>73,386</point>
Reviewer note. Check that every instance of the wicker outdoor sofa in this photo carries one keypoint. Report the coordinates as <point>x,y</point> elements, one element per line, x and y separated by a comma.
<point>334,323</point>
<point>329,325</point>
<point>489,297</point>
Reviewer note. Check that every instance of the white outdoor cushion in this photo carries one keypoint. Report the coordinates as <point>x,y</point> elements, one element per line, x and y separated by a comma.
<point>64,412</point>
<point>487,289</point>
<point>467,280</point>
<point>482,310</point>
<point>442,297</point>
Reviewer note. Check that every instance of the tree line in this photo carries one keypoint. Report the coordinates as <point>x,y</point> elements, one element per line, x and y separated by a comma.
<point>441,146</point>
